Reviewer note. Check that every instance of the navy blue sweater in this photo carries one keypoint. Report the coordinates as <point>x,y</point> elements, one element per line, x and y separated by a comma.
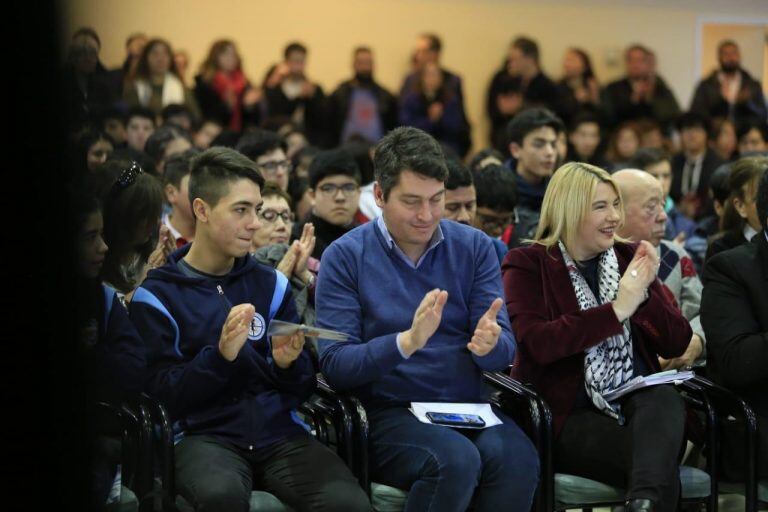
<point>366,290</point>
<point>248,401</point>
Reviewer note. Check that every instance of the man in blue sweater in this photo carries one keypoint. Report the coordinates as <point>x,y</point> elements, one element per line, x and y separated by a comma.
<point>231,391</point>
<point>420,299</point>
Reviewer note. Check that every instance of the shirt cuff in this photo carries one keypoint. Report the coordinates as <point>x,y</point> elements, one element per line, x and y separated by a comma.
<point>400,346</point>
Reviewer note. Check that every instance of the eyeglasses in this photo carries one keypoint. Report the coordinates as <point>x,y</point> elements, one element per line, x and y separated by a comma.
<point>329,189</point>
<point>271,216</point>
<point>271,168</point>
<point>127,177</point>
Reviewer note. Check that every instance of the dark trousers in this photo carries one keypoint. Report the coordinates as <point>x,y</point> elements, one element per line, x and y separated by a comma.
<point>444,468</point>
<point>213,475</point>
<point>641,456</point>
<point>105,456</point>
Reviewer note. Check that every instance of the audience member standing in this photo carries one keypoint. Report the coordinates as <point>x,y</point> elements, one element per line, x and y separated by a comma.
<point>641,93</point>
<point>292,97</point>
<point>433,106</point>
<point>520,84</point>
<point>86,89</point>
<point>155,82</point>
<point>589,315</point>
<point>360,106</point>
<point>134,46</point>
<point>730,91</point>
<point>579,89</point>
<point>224,92</point>
<point>428,48</point>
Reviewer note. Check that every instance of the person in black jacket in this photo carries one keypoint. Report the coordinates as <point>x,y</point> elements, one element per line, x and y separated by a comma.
<point>360,106</point>
<point>734,314</point>
<point>293,97</point>
<point>730,91</point>
<point>641,93</point>
<point>519,84</point>
<point>84,80</point>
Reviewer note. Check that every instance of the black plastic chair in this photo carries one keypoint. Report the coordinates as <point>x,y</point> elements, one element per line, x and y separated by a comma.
<point>728,404</point>
<point>561,492</point>
<point>328,418</point>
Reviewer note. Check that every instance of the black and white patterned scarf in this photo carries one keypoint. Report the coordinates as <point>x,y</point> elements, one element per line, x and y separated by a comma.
<point>608,364</point>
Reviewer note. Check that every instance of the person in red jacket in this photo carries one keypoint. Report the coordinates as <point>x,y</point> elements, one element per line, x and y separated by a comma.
<point>589,315</point>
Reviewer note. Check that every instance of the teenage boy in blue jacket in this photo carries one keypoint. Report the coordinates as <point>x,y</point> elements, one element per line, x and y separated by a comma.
<point>420,298</point>
<point>230,389</point>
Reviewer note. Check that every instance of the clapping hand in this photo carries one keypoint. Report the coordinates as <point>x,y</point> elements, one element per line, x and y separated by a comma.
<point>487,331</point>
<point>426,320</point>
<point>235,330</point>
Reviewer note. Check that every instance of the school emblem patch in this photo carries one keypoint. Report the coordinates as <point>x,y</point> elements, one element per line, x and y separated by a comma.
<point>257,328</point>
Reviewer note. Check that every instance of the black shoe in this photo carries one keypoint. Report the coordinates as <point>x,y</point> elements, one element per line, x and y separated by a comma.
<point>639,505</point>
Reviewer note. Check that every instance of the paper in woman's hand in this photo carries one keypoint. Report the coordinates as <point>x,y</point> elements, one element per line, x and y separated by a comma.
<point>280,328</point>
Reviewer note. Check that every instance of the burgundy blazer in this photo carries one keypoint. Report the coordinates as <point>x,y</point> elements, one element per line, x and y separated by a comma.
<point>552,333</point>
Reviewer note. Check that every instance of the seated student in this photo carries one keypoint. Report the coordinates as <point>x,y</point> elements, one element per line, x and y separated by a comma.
<point>229,387</point>
<point>590,315</point>
<point>92,149</point>
<point>206,133</point>
<point>113,123</point>
<point>740,221</point>
<point>722,139</point>
<point>496,201</point>
<point>180,221</point>
<point>693,166</point>
<point>420,299</point>
<point>485,157</point>
<point>139,125</point>
<point>533,146</point>
<point>752,137</point>
<point>645,219</point>
<point>270,247</point>
<point>111,351</point>
<point>734,312</point>
<point>334,182</point>
<point>177,115</point>
<point>267,149</point>
<point>165,142</point>
<point>622,145</point>
<point>657,163</point>
<point>584,140</point>
<point>133,203</point>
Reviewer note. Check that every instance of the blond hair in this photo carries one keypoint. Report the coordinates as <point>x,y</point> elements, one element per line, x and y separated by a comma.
<point>568,200</point>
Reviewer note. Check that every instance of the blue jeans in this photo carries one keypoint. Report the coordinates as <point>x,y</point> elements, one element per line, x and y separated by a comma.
<point>446,469</point>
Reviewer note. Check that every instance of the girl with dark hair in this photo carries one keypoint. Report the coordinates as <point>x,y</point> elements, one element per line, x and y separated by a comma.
<point>740,221</point>
<point>156,83</point>
<point>223,91</point>
<point>436,109</point>
<point>133,202</point>
<point>579,88</point>
<point>110,350</point>
<point>91,149</point>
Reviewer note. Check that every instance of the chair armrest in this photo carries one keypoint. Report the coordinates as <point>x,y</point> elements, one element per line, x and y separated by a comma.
<point>356,431</point>
<point>535,417</point>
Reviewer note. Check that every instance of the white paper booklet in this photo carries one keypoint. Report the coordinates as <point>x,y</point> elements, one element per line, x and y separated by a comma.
<point>420,410</point>
<point>280,328</point>
<point>668,377</point>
